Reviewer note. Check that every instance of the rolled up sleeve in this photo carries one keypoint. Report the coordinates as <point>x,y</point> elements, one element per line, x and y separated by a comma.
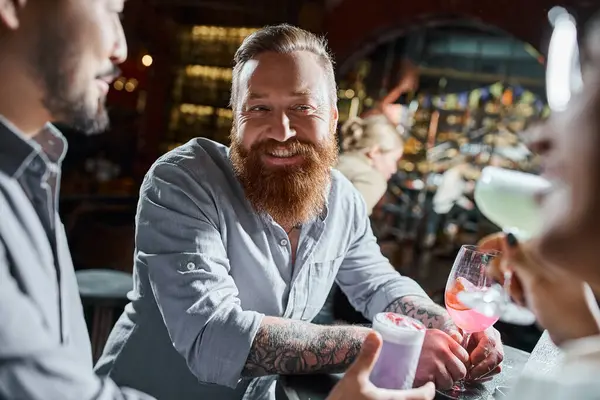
<point>178,241</point>
<point>365,275</point>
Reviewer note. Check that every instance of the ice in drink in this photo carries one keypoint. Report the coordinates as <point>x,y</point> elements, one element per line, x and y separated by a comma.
<point>402,341</point>
<point>465,318</point>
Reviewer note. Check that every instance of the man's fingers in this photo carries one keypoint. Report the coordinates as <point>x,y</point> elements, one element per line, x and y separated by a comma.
<point>483,350</point>
<point>443,378</point>
<point>459,352</point>
<point>364,363</point>
<point>490,375</point>
<point>485,369</point>
<point>486,377</point>
<point>486,355</point>
<point>456,368</point>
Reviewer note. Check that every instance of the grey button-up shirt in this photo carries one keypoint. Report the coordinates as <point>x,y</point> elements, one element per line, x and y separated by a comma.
<point>45,350</point>
<point>208,268</point>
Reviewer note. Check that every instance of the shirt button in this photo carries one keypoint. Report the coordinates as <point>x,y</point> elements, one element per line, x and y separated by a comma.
<point>191,266</point>
<point>283,242</point>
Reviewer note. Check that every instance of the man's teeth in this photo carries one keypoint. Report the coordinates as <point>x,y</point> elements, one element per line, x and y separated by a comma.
<point>282,153</point>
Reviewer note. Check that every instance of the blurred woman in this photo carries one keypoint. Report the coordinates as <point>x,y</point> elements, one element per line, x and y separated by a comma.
<point>371,148</point>
<point>557,274</point>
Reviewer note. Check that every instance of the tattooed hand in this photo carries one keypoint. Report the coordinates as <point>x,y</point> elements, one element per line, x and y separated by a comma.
<point>287,347</point>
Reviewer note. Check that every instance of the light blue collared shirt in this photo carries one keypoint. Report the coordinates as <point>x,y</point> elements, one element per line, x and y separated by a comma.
<point>208,268</point>
<point>45,351</point>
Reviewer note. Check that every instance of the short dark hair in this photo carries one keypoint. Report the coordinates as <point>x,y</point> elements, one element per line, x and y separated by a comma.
<point>283,39</point>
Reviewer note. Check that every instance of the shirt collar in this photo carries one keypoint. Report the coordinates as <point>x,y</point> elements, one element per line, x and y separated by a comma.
<point>17,151</point>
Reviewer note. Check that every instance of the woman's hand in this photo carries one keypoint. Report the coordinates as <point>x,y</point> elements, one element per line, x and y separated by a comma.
<point>556,297</point>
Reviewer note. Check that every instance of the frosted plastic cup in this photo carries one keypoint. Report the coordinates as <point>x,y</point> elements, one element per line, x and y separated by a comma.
<point>402,342</point>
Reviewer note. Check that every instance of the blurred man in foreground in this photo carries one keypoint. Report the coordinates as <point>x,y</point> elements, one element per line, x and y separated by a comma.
<point>57,59</point>
<point>237,248</point>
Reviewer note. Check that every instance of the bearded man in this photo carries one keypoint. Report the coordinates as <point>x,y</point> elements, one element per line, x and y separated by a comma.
<point>237,248</point>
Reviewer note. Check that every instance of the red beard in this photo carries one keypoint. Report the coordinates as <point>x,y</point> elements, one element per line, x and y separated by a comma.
<point>291,195</point>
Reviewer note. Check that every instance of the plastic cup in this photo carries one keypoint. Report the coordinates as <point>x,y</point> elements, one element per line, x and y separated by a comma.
<point>402,342</point>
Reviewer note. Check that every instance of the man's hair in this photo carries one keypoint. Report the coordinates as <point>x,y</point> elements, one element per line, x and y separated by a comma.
<point>282,39</point>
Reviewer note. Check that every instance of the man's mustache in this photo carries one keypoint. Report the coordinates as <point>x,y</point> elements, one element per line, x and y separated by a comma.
<point>293,144</point>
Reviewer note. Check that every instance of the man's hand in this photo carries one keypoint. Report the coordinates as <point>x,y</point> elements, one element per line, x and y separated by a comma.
<point>355,384</point>
<point>485,355</point>
<point>485,352</point>
<point>442,360</point>
<point>556,297</point>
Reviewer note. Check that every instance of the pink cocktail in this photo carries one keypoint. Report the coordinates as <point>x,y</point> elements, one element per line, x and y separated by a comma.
<point>468,275</point>
<point>466,319</point>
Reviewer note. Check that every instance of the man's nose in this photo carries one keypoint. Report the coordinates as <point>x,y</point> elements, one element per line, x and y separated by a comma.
<point>280,128</point>
<point>119,50</point>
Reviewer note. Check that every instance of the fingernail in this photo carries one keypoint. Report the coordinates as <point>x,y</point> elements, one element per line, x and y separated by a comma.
<point>512,240</point>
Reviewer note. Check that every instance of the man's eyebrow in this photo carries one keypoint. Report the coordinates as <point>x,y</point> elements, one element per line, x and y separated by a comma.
<point>301,93</point>
<point>256,96</point>
<point>296,93</point>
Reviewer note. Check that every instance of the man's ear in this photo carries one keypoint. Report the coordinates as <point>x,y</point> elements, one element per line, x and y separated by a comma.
<point>373,151</point>
<point>9,12</point>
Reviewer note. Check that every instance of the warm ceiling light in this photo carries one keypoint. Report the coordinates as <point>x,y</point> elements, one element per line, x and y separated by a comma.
<point>147,60</point>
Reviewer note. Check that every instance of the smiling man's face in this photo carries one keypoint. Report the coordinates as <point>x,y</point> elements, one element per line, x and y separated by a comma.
<point>283,141</point>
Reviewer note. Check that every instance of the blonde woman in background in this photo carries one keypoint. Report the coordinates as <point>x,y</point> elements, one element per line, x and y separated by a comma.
<point>371,148</point>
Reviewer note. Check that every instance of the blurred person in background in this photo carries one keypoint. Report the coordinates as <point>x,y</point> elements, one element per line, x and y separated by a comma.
<point>372,148</point>
<point>387,106</point>
<point>556,274</point>
<point>450,201</point>
<point>57,59</point>
<point>237,248</point>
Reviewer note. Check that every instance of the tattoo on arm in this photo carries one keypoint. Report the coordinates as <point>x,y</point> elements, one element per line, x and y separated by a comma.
<point>288,347</point>
<point>422,309</point>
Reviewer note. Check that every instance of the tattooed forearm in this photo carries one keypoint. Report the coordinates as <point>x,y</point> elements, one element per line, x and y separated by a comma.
<point>422,309</point>
<point>288,347</point>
